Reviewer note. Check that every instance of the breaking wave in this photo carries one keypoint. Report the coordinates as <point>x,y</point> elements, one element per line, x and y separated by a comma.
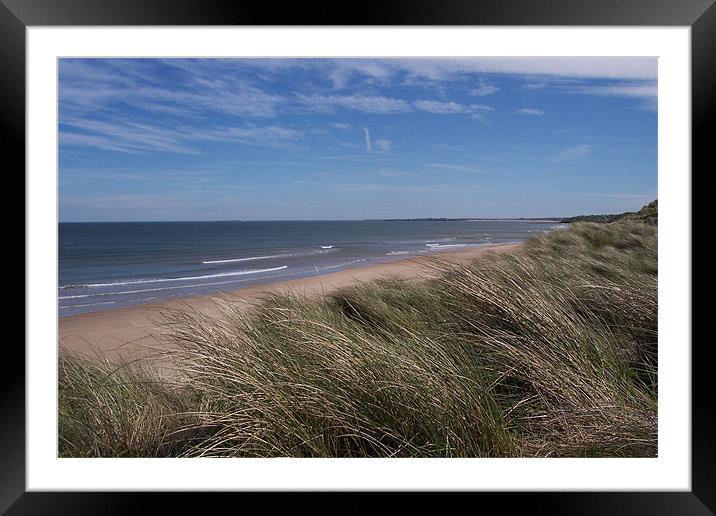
<point>182,278</point>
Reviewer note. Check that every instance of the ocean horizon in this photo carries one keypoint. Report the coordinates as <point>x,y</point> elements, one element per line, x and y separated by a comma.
<point>104,265</point>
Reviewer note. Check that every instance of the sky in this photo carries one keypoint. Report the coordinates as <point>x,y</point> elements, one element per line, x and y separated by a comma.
<point>351,139</point>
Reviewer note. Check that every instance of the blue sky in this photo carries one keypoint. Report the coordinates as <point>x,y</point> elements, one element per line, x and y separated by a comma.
<point>292,139</point>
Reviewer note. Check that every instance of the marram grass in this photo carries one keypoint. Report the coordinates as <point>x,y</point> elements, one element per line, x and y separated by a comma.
<point>548,351</point>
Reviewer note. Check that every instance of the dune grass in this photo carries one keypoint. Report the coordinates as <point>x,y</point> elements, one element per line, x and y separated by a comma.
<point>106,410</point>
<point>549,351</point>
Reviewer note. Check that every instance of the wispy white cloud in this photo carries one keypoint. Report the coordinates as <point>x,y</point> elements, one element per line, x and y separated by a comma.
<point>381,187</point>
<point>382,145</point>
<point>130,137</point>
<point>476,111</point>
<point>485,88</point>
<point>621,90</point>
<point>100,142</point>
<point>427,71</point>
<point>578,151</point>
<point>206,174</point>
<point>342,70</point>
<point>368,143</point>
<point>580,67</point>
<point>110,85</point>
<point>436,106</point>
<point>222,86</point>
<point>139,137</point>
<point>646,91</point>
<point>271,134</point>
<point>364,103</point>
<point>530,112</point>
<point>453,167</point>
<point>564,130</point>
<point>395,173</point>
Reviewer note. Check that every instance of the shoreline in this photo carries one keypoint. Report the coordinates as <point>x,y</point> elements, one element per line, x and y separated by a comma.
<point>129,333</point>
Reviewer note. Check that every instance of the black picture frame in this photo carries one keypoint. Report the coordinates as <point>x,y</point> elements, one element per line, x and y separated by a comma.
<point>17,15</point>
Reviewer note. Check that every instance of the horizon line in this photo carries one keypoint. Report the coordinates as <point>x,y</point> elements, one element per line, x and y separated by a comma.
<point>387,219</point>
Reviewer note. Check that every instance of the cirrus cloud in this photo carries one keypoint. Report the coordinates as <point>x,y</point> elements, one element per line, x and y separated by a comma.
<point>530,112</point>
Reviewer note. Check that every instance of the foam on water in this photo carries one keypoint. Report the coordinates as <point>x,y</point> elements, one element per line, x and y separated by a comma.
<point>183,278</point>
<point>140,291</point>
<point>340,264</point>
<point>444,246</point>
<point>249,259</point>
<point>323,249</point>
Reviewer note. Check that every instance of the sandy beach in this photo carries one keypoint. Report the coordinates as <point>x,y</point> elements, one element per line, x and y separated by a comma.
<point>130,333</point>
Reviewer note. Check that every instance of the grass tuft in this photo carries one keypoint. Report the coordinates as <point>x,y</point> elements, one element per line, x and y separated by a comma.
<point>107,410</point>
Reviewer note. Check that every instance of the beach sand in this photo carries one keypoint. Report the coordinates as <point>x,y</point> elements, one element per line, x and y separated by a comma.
<point>131,333</point>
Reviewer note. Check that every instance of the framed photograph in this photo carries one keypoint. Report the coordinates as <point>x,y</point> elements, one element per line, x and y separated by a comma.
<point>409,249</point>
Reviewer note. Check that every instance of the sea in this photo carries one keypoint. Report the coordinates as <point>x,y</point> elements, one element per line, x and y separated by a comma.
<point>106,265</point>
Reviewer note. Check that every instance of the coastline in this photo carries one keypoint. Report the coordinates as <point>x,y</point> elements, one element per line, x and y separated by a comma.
<point>130,333</point>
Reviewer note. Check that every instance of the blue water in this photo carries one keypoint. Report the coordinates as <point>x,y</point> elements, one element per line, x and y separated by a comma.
<point>108,265</point>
